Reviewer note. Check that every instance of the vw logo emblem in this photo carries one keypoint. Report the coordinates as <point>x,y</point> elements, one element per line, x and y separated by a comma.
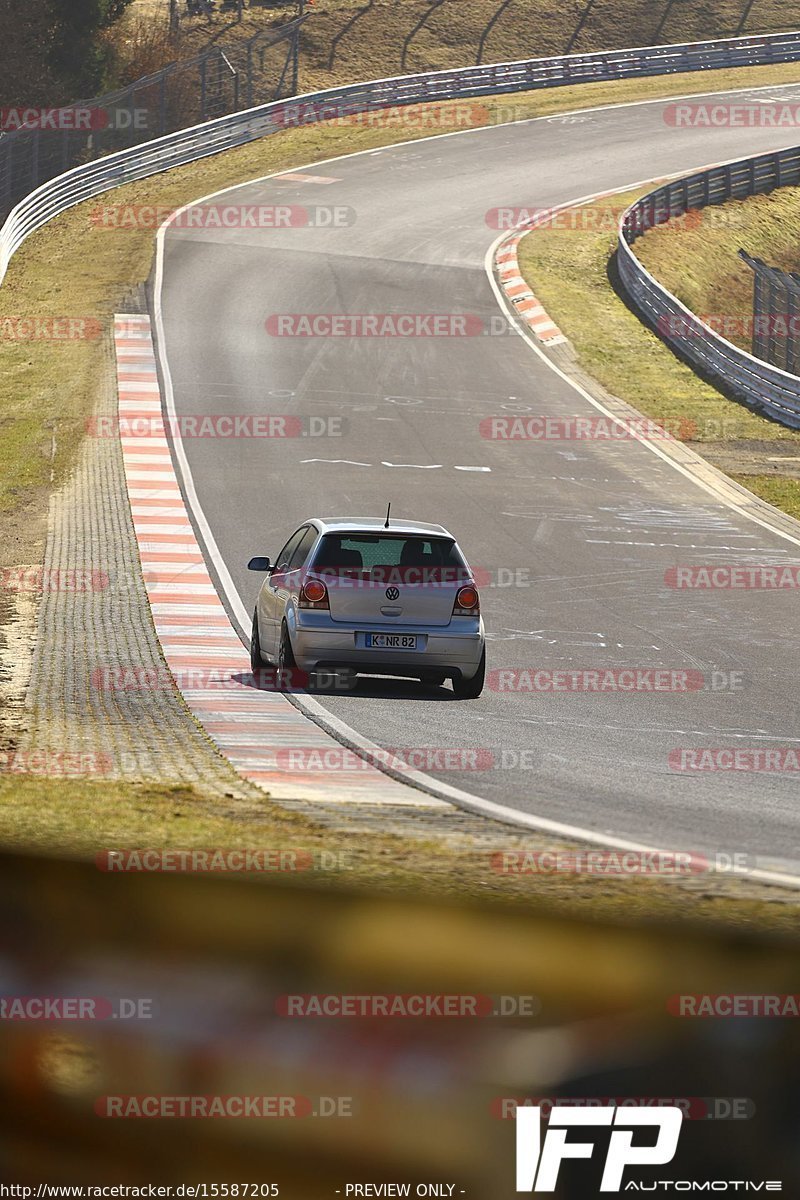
<point>393,593</point>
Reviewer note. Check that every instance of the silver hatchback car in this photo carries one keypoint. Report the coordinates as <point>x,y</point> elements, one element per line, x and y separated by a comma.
<point>374,598</point>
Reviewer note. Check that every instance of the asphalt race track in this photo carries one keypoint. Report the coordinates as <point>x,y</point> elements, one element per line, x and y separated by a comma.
<point>590,527</point>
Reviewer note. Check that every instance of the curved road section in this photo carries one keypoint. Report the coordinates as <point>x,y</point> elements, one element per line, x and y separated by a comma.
<point>576,541</point>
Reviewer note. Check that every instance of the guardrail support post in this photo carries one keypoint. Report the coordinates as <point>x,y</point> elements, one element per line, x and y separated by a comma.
<point>162,104</point>
<point>35,158</point>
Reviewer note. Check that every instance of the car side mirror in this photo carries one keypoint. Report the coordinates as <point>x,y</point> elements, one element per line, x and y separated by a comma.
<point>259,564</point>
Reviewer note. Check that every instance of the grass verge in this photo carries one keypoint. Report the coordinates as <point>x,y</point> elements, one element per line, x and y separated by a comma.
<point>568,270</point>
<point>83,818</point>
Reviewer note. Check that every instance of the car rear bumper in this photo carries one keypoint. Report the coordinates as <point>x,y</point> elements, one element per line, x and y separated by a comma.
<point>455,654</point>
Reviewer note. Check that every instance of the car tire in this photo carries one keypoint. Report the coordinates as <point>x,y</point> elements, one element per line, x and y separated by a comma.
<point>432,679</point>
<point>470,689</point>
<point>256,661</point>
<point>286,659</point>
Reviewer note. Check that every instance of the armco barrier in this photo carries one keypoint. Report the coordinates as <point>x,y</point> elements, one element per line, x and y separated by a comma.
<point>237,129</point>
<point>763,387</point>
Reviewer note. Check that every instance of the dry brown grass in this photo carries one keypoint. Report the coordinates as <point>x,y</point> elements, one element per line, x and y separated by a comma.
<point>700,264</point>
<point>526,28</point>
<point>568,270</point>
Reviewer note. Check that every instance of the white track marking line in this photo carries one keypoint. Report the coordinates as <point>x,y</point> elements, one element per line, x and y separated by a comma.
<point>415,466</point>
<point>308,704</point>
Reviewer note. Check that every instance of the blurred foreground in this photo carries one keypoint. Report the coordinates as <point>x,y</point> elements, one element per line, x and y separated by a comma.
<point>212,988</point>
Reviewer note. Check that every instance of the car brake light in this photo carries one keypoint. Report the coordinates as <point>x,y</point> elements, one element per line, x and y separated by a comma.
<point>313,594</point>
<point>467,602</point>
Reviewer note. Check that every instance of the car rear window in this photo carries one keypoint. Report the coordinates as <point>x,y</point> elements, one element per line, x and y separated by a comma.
<point>389,557</point>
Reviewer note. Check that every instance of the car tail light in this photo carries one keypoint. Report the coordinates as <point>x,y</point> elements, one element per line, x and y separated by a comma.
<point>467,603</point>
<point>313,594</point>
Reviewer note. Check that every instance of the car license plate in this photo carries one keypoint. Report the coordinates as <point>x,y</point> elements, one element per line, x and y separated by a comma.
<point>391,641</point>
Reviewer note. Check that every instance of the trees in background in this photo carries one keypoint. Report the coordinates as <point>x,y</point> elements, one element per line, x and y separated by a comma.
<point>80,56</point>
<point>54,51</point>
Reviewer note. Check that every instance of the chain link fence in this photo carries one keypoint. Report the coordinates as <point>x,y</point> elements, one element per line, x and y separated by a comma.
<point>776,315</point>
<point>44,143</point>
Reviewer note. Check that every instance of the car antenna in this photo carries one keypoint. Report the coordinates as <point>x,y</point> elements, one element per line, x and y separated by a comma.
<point>388,510</point>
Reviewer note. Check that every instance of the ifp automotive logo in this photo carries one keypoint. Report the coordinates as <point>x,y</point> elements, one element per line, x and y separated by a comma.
<point>539,1161</point>
<point>538,1164</point>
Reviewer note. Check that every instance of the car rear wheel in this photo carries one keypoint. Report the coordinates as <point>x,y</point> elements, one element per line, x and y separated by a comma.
<point>470,689</point>
<point>256,661</point>
<point>286,660</point>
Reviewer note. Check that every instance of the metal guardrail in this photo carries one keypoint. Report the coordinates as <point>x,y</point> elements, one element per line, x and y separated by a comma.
<point>764,387</point>
<point>236,129</point>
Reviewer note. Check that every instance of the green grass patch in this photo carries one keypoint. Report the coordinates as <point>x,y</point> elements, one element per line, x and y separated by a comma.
<point>783,493</point>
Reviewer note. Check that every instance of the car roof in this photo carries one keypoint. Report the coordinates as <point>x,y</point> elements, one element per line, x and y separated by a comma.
<point>371,524</point>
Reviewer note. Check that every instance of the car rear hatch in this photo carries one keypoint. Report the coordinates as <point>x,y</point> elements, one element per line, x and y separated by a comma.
<point>390,579</point>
